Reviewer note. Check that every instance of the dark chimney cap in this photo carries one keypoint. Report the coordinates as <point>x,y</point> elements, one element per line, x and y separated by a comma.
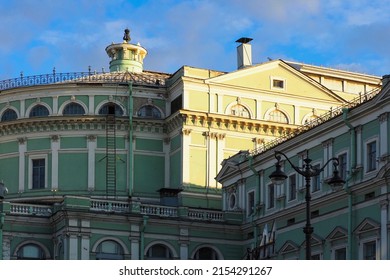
<point>244,40</point>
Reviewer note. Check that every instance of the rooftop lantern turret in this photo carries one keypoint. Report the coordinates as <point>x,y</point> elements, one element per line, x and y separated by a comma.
<point>125,56</point>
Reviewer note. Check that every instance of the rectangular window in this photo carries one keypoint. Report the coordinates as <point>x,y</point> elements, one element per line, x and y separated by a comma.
<point>38,173</point>
<point>292,187</point>
<point>340,254</point>
<point>369,250</point>
<point>251,203</point>
<point>276,83</point>
<point>371,156</point>
<point>343,166</point>
<point>271,196</point>
<point>315,182</point>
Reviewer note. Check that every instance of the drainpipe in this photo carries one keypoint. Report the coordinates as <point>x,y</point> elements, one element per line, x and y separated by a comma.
<point>130,110</point>
<point>142,249</point>
<point>347,187</point>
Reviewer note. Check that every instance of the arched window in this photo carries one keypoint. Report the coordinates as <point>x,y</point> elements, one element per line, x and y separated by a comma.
<point>277,116</point>
<point>159,252</point>
<point>240,111</point>
<point>206,253</point>
<point>9,115</point>
<point>111,109</point>
<point>109,250</point>
<point>39,111</point>
<point>149,111</point>
<point>30,252</point>
<point>73,109</point>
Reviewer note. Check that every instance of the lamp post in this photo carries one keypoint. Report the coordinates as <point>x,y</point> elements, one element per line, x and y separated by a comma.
<point>3,192</point>
<point>307,171</point>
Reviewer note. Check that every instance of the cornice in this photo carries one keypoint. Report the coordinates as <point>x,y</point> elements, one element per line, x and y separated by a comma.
<point>233,123</point>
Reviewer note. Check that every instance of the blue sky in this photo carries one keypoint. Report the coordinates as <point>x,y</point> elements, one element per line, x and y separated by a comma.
<point>71,35</point>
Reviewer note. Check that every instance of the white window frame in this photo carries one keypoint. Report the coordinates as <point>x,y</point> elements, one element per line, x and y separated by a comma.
<point>346,165</point>
<point>249,211</point>
<point>30,169</point>
<point>289,199</point>
<point>275,78</point>
<point>338,247</point>
<point>368,240</point>
<point>369,141</point>
<point>268,196</point>
<point>316,164</point>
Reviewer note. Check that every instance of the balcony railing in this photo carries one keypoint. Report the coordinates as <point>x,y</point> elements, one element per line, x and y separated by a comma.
<point>148,78</point>
<point>121,207</point>
<point>317,121</point>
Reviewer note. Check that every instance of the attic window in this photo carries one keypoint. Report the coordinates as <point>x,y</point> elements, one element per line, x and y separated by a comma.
<point>278,83</point>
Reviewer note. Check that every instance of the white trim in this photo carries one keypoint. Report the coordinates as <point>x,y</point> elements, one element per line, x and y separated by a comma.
<point>64,104</point>
<point>28,111</point>
<point>30,159</point>
<point>277,78</point>
<point>365,158</point>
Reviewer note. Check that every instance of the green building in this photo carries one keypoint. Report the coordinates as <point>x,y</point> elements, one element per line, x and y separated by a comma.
<point>126,164</point>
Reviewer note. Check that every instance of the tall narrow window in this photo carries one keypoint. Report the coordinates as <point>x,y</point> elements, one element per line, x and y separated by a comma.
<point>369,250</point>
<point>343,166</point>
<point>340,254</point>
<point>371,156</point>
<point>292,187</point>
<point>251,203</point>
<point>38,173</point>
<point>271,196</point>
<point>316,182</point>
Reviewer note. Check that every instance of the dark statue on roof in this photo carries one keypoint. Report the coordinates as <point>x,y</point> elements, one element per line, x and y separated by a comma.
<point>126,37</point>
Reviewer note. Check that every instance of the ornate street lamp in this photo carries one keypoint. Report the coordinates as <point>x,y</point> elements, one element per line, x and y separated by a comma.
<point>307,171</point>
<point>3,190</point>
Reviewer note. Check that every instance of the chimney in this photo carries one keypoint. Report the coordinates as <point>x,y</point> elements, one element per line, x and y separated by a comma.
<point>244,53</point>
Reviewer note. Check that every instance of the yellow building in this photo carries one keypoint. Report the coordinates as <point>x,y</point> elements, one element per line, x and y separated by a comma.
<point>223,113</point>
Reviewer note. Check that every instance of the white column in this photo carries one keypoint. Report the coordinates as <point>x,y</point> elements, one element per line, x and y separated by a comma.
<point>55,145</point>
<point>383,122</point>
<point>384,217</point>
<point>22,162</point>
<point>91,146</point>
<point>220,105</point>
<point>184,243</point>
<point>55,105</point>
<point>166,148</point>
<point>134,240</point>
<point>259,113</point>
<point>359,147</point>
<point>85,239</point>
<point>297,117</point>
<point>220,154</point>
<point>213,159</point>
<point>22,108</point>
<point>185,155</point>
<point>91,105</point>
<point>73,242</point>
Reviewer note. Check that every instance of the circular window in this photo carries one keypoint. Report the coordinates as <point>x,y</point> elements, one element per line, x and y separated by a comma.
<point>232,201</point>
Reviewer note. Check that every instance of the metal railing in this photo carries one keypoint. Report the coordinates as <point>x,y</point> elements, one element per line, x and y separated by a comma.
<point>147,78</point>
<point>317,121</point>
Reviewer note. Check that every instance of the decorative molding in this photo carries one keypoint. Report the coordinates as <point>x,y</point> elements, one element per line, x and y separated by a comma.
<point>55,137</point>
<point>91,137</point>
<point>383,117</point>
<point>22,140</point>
